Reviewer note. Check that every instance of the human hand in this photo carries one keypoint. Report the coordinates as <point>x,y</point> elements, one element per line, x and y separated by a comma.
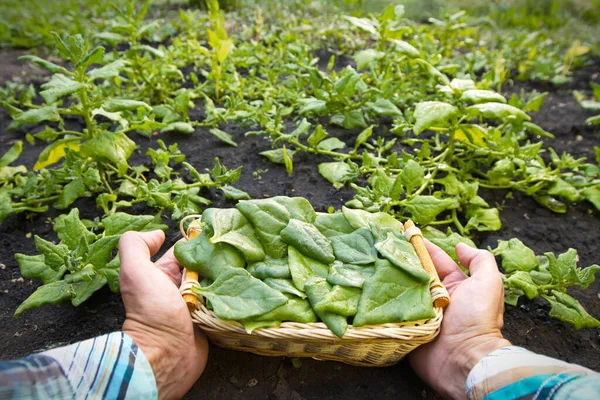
<point>157,318</point>
<point>472,321</point>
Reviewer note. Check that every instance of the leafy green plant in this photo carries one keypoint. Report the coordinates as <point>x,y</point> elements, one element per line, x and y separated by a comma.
<point>547,276</point>
<point>82,262</point>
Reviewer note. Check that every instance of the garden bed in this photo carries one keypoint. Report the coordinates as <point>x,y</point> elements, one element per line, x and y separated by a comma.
<point>241,375</point>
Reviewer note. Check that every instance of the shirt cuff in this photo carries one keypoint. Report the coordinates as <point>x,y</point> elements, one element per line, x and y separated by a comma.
<point>109,366</point>
<point>512,372</point>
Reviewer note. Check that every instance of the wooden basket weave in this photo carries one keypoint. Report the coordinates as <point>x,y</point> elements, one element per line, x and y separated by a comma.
<point>373,346</point>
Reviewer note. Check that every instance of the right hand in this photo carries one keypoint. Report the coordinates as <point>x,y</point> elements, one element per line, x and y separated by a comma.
<point>472,323</point>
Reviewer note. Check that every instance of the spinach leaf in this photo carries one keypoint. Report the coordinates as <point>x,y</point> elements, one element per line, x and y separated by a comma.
<point>355,248</point>
<point>348,275</point>
<point>35,267</point>
<point>70,229</point>
<point>393,295</point>
<point>340,300</point>
<point>402,255</point>
<point>284,286</point>
<point>208,259</point>
<point>567,309</point>
<point>270,268</point>
<point>303,268</point>
<point>295,310</point>
<point>237,295</point>
<point>516,256</point>
<point>308,240</point>
<point>317,289</point>
<point>51,293</point>
<point>269,218</point>
<point>230,226</point>
<point>333,224</point>
<point>380,224</point>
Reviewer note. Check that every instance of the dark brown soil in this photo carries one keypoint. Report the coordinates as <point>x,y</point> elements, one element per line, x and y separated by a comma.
<point>237,375</point>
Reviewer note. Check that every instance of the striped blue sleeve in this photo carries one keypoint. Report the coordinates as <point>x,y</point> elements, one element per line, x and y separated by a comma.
<point>109,366</point>
<point>516,373</point>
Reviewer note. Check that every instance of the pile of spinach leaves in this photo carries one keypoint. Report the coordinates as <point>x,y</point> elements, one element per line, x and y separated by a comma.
<point>273,260</point>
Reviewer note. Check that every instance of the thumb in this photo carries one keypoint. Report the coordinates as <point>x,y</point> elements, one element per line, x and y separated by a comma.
<point>137,247</point>
<point>479,262</point>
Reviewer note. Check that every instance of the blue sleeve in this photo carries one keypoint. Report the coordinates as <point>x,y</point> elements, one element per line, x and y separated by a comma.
<point>109,366</point>
<point>515,373</point>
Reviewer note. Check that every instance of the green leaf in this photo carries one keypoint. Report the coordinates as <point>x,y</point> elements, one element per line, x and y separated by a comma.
<point>116,105</point>
<point>71,192</point>
<point>592,194</point>
<point>333,224</point>
<point>231,226</point>
<point>563,189</point>
<point>317,137</point>
<point>381,224</point>
<point>11,155</point>
<point>567,309</point>
<point>59,86</point>
<point>210,260</point>
<point>402,255</point>
<point>516,256</point>
<point>34,267</point>
<point>236,295</point>
<point>70,229</point>
<point>36,115</point>
<point>593,120</point>
<point>5,205</point>
<point>284,286</point>
<point>181,127</point>
<point>84,289</point>
<point>363,137</point>
<point>317,289</point>
<point>364,24</point>
<point>446,242</point>
<point>384,108</point>
<point>522,280</point>
<point>433,114</point>
<point>392,295</point>
<point>338,173</point>
<point>365,57</point>
<point>564,267</point>
<point>287,160</point>
<point>331,144</point>
<point>101,251</point>
<point>497,111</point>
<point>119,223</point>
<point>108,71</point>
<point>406,48</point>
<point>340,300</point>
<point>233,193</point>
<point>551,203</point>
<point>348,275</point>
<point>51,293</point>
<point>277,268</point>
<point>355,248</point>
<point>308,240</point>
<point>483,219</point>
<point>46,64</point>
<point>477,96</point>
<point>424,209</point>
<point>412,176</point>
<point>276,155</point>
<point>303,268</point>
<point>223,137</point>
<point>295,310</point>
<point>54,254</point>
<point>312,106</point>
<point>537,130</point>
<point>268,218</point>
<point>113,147</point>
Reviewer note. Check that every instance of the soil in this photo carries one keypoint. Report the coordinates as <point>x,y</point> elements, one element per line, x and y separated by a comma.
<point>238,375</point>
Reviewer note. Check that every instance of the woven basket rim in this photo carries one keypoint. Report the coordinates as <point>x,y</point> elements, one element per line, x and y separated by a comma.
<point>318,331</point>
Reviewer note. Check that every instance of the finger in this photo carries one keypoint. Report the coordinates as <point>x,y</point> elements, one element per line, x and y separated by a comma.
<point>444,264</point>
<point>136,247</point>
<point>170,266</point>
<point>479,262</point>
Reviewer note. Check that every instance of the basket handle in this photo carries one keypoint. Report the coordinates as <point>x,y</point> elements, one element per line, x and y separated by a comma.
<point>190,278</point>
<point>415,237</point>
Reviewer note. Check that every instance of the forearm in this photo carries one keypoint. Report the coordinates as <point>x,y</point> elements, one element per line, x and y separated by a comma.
<point>108,366</point>
<point>513,372</point>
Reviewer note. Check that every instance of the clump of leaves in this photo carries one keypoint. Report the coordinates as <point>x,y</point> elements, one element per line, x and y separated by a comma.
<point>547,276</point>
<point>82,262</point>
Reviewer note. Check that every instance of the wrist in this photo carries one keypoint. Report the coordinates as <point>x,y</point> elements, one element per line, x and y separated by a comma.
<point>466,356</point>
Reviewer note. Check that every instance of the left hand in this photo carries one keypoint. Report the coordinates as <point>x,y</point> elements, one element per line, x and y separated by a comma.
<point>157,318</point>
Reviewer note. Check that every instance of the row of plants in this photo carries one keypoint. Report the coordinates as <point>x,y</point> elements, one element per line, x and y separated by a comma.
<point>429,128</point>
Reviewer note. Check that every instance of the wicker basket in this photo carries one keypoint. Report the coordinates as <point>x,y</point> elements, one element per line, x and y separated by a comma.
<point>372,346</point>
